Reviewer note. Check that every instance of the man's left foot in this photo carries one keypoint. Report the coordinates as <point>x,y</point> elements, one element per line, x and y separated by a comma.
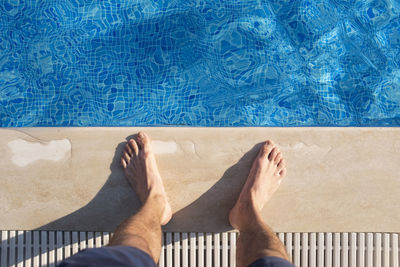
<point>141,170</point>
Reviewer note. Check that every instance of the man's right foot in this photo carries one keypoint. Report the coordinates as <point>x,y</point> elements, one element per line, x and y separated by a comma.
<point>264,178</point>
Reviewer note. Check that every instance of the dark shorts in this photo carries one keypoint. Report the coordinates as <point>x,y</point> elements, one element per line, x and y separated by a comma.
<point>130,256</point>
<point>271,262</point>
<point>110,256</point>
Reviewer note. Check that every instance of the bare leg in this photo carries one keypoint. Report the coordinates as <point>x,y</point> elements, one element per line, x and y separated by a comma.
<point>143,230</point>
<point>256,239</point>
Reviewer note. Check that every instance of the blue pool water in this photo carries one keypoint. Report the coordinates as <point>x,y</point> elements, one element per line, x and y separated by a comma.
<point>199,63</point>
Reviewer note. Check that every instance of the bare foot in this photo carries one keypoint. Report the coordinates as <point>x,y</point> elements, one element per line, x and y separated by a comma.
<point>141,170</point>
<point>264,178</point>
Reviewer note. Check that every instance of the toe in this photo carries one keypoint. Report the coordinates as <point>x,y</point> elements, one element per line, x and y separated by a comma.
<point>278,157</point>
<point>266,148</point>
<point>144,141</point>
<point>282,172</point>
<point>281,164</point>
<point>123,163</point>
<point>133,146</point>
<point>273,154</point>
<point>126,157</point>
<point>128,150</point>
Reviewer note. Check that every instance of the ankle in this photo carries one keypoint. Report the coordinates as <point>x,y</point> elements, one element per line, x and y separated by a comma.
<point>156,200</point>
<point>249,203</point>
<point>156,196</point>
<point>154,190</point>
<point>245,213</point>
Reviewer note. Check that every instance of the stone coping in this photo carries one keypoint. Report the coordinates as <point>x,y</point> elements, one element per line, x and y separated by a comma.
<point>339,179</point>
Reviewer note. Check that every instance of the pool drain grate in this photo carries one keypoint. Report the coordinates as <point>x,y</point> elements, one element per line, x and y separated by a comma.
<point>47,248</point>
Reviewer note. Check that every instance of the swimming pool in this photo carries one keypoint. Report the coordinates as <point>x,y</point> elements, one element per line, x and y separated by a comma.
<point>199,63</point>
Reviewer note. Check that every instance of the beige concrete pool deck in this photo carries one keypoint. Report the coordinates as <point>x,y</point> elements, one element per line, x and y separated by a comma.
<point>339,179</point>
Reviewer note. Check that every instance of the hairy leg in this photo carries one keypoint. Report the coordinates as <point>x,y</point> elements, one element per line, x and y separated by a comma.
<point>256,239</point>
<point>143,230</point>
